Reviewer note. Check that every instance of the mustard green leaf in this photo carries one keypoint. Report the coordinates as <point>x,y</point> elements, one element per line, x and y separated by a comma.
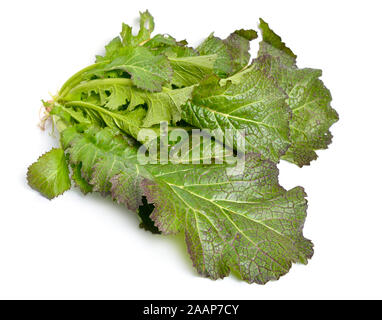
<point>247,223</point>
<point>255,105</point>
<point>99,155</point>
<point>114,93</point>
<point>147,71</point>
<point>213,45</point>
<point>49,175</point>
<point>271,38</point>
<point>191,70</point>
<point>79,181</point>
<point>146,27</point>
<point>309,100</point>
<point>232,53</point>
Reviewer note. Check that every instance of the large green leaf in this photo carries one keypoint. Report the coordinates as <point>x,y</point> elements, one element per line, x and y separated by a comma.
<point>255,105</point>
<point>247,223</point>
<point>105,159</point>
<point>244,221</point>
<point>309,99</point>
<point>50,174</point>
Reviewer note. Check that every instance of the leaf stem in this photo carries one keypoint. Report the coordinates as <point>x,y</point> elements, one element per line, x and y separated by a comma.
<point>76,78</point>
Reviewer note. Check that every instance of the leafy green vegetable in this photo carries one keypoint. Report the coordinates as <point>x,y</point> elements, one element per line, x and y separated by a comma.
<point>114,93</point>
<point>274,41</point>
<point>147,71</point>
<point>246,223</point>
<point>256,105</point>
<point>128,127</point>
<point>233,52</point>
<point>308,98</point>
<point>50,174</point>
<point>190,70</point>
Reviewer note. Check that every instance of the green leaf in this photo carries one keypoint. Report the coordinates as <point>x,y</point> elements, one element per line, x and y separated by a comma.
<point>271,38</point>
<point>110,93</point>
<point>127,39</point>
<point>146,27</point>
<point>105,159</point>
<point>248,34</point>
<point>117,92</point>
<point>247,223</point>
<point>165,105</point>
<point>50,174</point>
<point>126,189</point>
<point>112,49</point>
<point>168,46</point>
<point>235,215</point>
<point>191,70</point>
<point>147,71</point>
<point>161,41</point>
<point>255,105</point>
<point>238,46</point>
<point>129,122</point>
<point>213,45</point>
<point>309,99</point>
<point>79,181</point>
<point>312,116</point>
<point>232,53</point>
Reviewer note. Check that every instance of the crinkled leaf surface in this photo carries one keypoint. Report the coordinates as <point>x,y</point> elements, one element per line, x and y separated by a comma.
<point>246,223</point>
<point>308,98</point>
<point>238,46</point>
<point>50,174</point>
<point>107,162</point>
<point>256,105</point>
<point>312,116</point>
<point>79,180</point>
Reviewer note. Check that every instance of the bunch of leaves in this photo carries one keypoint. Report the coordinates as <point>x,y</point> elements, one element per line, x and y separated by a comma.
<point>243,222</point>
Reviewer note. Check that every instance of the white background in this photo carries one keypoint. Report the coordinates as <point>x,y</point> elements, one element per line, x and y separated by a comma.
<point>88,247</point>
